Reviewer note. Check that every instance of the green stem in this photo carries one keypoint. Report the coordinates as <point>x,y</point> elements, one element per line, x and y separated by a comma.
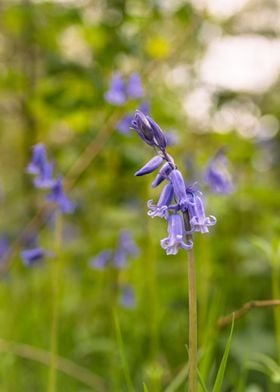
<point>56,265</point>
<point>275,296</point>
<point>192,322</point>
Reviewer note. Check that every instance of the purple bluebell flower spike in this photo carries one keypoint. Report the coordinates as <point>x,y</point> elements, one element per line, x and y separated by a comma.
<point>198,220</point>
<point>59,197</point>
<point>134,87</point>
<point>217,175</point>
<point>125,248</point>
<point>33,256</point>
<point>101,260</point>
<point>116,94</point>
<point>175,239</point>
<point>161,209</point>
<point>127,299</point>
<point>150,166</point>
<point>187,214</point>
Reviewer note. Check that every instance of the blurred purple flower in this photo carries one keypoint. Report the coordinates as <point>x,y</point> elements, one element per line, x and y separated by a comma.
<point>40,167</point>
<point>217,175</point>
<point>38,160</point>
<point>101,260</point>
<point>4,248</point>
<point>134,87</point>
<point>127,298</point>
<point>59,197</point>
<point>117,90</point>
<point>176,235</point>
<point>33,256</point>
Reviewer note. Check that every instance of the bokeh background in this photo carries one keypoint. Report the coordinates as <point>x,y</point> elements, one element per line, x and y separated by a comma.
<point>210,73</point>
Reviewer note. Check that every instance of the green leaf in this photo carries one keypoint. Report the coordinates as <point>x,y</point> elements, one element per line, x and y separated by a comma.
<point>222,368</point>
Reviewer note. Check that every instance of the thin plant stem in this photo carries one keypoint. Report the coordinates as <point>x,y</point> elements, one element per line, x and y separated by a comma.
<point>276,297</point>
<point>56,265</point>
<point>226,320</point>
<point>192,385</point>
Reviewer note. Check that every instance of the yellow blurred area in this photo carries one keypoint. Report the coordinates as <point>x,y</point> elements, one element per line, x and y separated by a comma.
<point>158,47</point>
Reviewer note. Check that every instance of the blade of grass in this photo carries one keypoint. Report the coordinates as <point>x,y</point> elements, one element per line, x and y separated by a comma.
<point>222,368</point>
<point>178,380</point>
<point>128,380</point>
<point>201,382</point>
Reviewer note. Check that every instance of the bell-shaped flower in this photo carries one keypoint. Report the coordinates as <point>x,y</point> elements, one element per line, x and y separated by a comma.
<point>150,166</point>
<point>161,208</point>
<point>198,220</point>
<point>176,234</point>
<point>134,87</point>
<point>59,197</point>
<point>179,186</point>
<point>117,91</point>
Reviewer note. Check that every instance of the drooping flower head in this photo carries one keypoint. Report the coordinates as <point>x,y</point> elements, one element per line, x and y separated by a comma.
<point>101,260</point>
<point>176,235</point>
<point>41,168</point>
<point>127,297</point>
<point>123,126</point>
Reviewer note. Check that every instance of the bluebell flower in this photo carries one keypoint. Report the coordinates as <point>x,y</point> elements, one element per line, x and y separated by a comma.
<point>198,220</point>
<point>176,235</point>
<point>59,197</point>
<point>127,299</point>
<point>148,130</point>
<point>38,160</point>
<point>102,260</point>
<point>117,91</point>
<point>134,87</point>
<point>45,179</point>
<point>161,208</point>
<point>162,174</point>
<point>125,123</point>
<point>33,256</point>
<point>150,166</point>
<point>217,175</point>
<point>179,189</point>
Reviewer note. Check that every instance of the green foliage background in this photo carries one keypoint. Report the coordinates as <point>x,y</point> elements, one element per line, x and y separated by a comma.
<point>56,61</point>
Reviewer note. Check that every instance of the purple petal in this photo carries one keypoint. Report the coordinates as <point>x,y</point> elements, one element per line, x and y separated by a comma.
<point>116,93</point>
<point>150,166</point>
<point>134,87</point>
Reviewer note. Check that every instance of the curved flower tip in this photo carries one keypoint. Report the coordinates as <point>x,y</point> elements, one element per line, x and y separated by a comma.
<point>33,256</point>
<point>198,219</point>
<point>148,130</point>
<point>175,239</point>
<point>162,207</point>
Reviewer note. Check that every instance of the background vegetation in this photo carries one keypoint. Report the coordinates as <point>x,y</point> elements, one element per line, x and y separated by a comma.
<point>56,63</point>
